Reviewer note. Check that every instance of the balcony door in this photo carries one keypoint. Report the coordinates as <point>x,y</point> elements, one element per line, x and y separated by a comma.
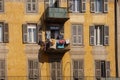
<point>53,3</point>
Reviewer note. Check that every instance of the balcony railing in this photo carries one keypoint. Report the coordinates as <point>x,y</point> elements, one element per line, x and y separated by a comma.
<point>55,46</point>
<point>56,14</point>
<point>55,78</point>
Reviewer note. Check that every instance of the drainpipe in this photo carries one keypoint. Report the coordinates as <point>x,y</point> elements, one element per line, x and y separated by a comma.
<point>116,43</point>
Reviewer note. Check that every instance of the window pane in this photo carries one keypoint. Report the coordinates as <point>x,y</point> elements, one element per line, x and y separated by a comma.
<point>29,7</point>
<point>34,7</point>
<point>34,35</point>
<point>1,33</point>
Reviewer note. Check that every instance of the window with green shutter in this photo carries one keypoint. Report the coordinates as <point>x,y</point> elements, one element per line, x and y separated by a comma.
<point>33,69</point>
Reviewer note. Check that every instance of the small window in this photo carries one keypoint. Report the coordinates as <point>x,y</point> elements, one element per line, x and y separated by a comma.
<point>99,35</point>
<point>2,70</point>
<point>1,5</point>
<point>31,6</point>
<point>33,69</point>
<point>77,5</point>
<point>77,35</point>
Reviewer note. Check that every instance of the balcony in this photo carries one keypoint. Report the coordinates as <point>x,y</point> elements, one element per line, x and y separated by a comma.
<point>56,15</point>
<point>55,46</point>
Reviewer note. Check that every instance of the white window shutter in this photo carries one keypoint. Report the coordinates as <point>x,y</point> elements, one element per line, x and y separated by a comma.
<point>105,5</point>
<point>98,68</point>
<point>83,5</point>
<point>92,35</point>
<point>106,35</point>
<point>92,5</point>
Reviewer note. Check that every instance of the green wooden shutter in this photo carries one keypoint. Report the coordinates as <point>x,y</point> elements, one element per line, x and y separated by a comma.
<point>105,5</point>
<point>24,29</point>
<point>92,35</point>
<point>106,35</point>
<point>92,5</point>
<point>70,4</point>
<point>98,68</point>
<point>83,5</point>
<point>107,68</point>
<point>6,33</point>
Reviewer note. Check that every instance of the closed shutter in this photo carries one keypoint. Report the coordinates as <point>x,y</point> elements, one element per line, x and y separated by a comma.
<point>98,68</point>
<point>33,69</point>
<point>6,33</point>
<point>75,69</point>
<point>79,38</point>
<point>70,5</point>
<point>92,35</point>
<point>105,5</point>
<point>59,74</point>
<point>83,5</point>
<point>106,35</point>
<point>81,70</point>
<point>74,34</point>
<point>39,33</point>
<point>107,68</point>
<point>92,5</point>
<point>24,29</point>
<point>2,69</point>
<point>53,70</point>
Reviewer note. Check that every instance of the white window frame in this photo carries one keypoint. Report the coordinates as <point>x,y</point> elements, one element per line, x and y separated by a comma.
<point>32,27</point>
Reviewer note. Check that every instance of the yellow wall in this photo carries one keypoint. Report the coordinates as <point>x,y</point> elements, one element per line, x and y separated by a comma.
<point>15,16</point>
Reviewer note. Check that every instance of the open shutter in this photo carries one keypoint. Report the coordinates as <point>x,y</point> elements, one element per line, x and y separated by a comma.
<point>24,29</point>
<point>79,38</point>
<point>6,33</point>
<point>98,68</point>
<point>83,5</point>
<point>70,4</point>
<point>92,35</point>
<point>106,35</point>
<point>39,33</point>
<point>81,70</point>
<point>92,5</point>
<point>107,68</point>
<point>105,5</point>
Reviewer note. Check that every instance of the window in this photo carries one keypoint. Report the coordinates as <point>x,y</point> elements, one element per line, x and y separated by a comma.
<point>31,6</point>
<point>1,5</point>
<point>77,5</point>
<point>99,35</point>
<point>4,32</point>
<point>2,69</point>
<point>78,70</point>
<point>31,33</point>
<point>77,35</point>
<point>102,69</point>
<point>33,69</point>
<point>56,69</point>
<point>99,6</point>
<point>52,3</point>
